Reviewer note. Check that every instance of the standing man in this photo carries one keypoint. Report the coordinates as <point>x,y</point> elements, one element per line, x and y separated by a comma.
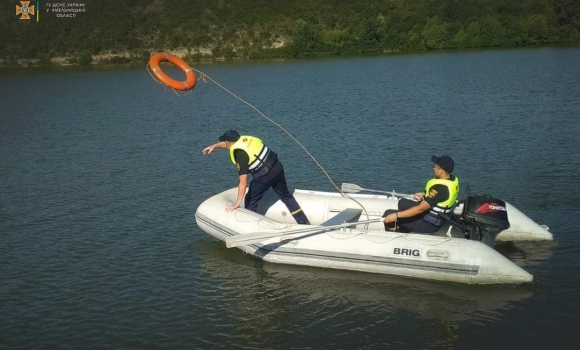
<point>250,155</point>
<point>421,215</point>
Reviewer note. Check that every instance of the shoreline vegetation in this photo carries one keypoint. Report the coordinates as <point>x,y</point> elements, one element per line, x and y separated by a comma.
<point>129,59</point>
<point>115,32</point>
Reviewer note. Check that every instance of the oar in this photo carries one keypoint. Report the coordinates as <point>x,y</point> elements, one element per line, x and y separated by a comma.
<point>240,240</point>
<point>352,188</point>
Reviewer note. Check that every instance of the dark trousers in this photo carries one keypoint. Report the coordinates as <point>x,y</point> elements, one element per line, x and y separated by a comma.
<point>414,224</point>
<point>275,179</point>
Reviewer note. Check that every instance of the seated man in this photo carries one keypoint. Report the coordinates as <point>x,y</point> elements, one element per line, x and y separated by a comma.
<point>421,215</point>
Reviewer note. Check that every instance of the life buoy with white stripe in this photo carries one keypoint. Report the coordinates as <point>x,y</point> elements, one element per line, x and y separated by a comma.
<point>188,84</point>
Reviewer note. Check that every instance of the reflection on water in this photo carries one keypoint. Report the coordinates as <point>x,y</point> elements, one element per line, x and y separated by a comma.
<point>267,289</point>
<point>526,254</point>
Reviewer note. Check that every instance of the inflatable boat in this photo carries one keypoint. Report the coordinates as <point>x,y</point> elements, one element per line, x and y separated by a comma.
<point>346,232</point>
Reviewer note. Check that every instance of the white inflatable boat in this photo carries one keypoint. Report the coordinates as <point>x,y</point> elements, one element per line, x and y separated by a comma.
<point>349,234</point>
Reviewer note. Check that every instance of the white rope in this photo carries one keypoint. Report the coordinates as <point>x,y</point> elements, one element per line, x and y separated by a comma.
<point>203,76</point>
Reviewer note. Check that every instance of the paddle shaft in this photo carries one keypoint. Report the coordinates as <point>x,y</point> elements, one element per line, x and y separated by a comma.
<point>240,240</point>
<point>347,187</point>
<point>392,193</point>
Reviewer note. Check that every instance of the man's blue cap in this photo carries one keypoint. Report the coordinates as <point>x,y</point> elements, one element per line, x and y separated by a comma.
<point>445,162</point>
<point>230,135</point>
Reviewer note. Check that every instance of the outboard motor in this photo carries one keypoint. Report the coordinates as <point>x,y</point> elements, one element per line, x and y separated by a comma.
<point>483,218</point>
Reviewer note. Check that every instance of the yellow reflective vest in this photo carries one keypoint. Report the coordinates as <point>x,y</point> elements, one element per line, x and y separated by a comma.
<point>259,155</point>
<point>446,206</point>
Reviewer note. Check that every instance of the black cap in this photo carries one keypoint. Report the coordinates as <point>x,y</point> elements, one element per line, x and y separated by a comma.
<point>230,135</point>
<point>445,162</point>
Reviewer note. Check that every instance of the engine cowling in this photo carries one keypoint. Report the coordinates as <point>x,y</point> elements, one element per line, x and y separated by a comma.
<point>484,217</point>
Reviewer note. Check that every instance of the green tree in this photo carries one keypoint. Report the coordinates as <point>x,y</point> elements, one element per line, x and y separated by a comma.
<point>473,35</point>
<point>459,39</point>
<point>370,34</point>
<point>491,32</point>
<point>84,58</point>
<point>435,34</point>
<point>415,40</point>
<point>228,53</point>
<point>335,38</point>
<point>307,41</point>
<point>537,26</point>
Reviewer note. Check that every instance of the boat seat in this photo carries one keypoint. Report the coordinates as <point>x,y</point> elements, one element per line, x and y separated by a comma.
<point>347,215</point>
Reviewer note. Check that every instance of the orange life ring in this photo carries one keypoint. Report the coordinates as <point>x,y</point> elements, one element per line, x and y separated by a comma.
<point>188,84</point>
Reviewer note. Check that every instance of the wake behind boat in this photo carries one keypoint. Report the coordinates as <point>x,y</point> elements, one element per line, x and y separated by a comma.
<point>351,236</point>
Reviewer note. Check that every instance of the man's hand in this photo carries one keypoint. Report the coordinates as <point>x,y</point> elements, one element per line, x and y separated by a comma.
<point>419,196</point>
<point>390,218</point>
<point>208,149</point>
<point>232,207</point>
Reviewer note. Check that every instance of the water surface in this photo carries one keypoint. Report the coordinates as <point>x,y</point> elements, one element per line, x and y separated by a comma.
<point>101,173</point>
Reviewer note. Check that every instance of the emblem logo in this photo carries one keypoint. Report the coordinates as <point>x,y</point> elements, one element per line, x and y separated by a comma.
<point>487,208</point>
<point>407,252</point>
<point>24,11</point>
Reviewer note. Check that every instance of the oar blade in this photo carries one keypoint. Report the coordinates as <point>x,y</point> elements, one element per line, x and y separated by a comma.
<point>350,188</point>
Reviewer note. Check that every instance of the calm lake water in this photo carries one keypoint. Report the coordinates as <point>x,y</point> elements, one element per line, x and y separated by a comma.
<point>101,172</point>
